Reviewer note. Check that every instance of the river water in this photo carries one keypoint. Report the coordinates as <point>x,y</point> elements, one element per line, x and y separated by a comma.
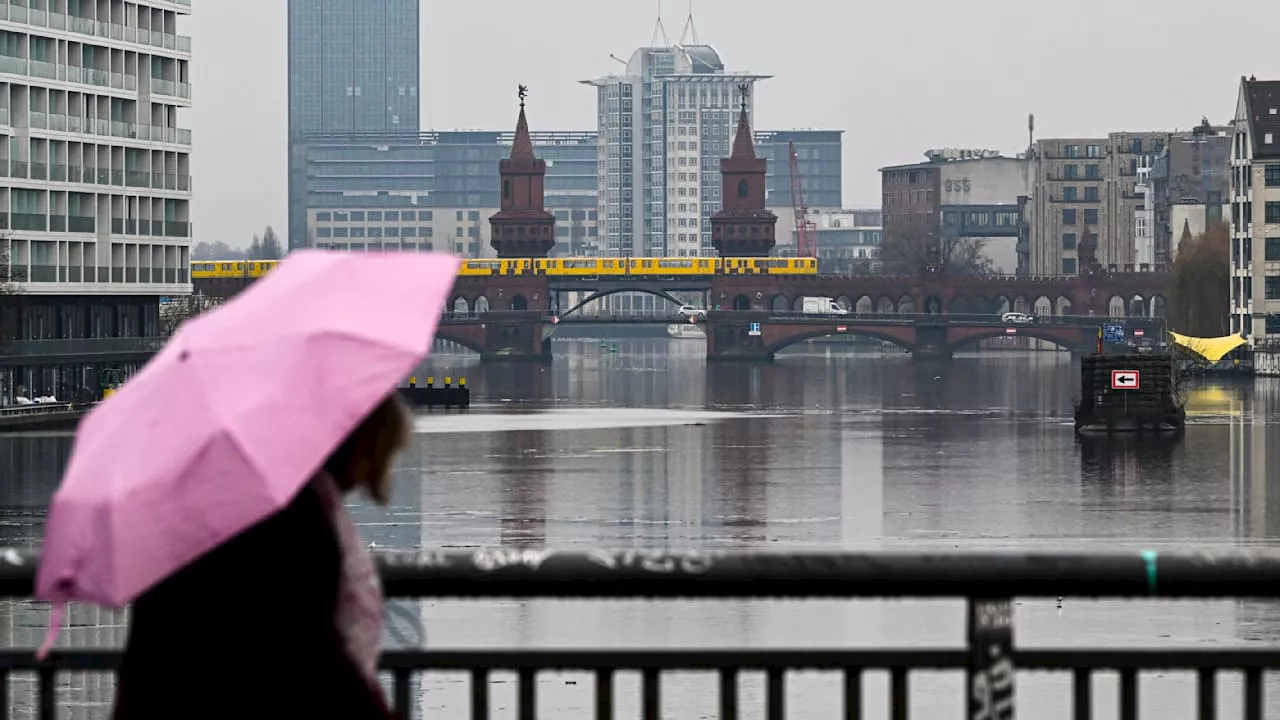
<point>651,447</point>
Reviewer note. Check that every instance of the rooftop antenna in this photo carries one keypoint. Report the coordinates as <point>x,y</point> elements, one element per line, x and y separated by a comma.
<point>659,31</point>
<point>690,30</point>
<point>1031,130</point>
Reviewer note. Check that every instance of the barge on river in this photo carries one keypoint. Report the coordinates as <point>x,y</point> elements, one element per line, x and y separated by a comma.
<point>1130,393</point>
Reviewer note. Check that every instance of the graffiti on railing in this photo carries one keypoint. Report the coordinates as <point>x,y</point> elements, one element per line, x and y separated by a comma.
<point>655,561</point>
<point>991,665</point>
<point>490,560</point>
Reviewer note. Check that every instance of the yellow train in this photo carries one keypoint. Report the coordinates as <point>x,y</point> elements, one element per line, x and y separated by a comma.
<point>562,267</point>
<point>208,269</point>
<point>642,266</point>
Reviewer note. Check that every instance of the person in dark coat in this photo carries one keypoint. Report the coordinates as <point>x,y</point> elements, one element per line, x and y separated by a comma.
<point>252,629</point>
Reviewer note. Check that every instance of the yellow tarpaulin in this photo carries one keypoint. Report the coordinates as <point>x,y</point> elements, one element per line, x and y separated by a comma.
<point>1211,349</point>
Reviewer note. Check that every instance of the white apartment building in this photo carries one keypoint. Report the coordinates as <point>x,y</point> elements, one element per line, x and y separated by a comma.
<point>664,125</point>
<point>1255,213</point>
<point>97,174</point>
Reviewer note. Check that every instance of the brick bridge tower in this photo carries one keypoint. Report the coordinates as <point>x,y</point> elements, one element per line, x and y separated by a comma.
<point>743,227</point>
<point>522,228</point>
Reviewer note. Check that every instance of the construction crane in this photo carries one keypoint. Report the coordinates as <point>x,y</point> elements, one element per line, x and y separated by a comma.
<point>806,230</point>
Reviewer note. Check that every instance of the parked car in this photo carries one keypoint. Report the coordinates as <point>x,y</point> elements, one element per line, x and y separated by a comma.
<point>1017,318</point>
<point>690,311</point>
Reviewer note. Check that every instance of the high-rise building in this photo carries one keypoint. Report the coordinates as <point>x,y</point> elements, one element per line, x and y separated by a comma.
<point>1255,215</point>
<point>95,202</point>
<point>664,125</point>
<point>353,67</point>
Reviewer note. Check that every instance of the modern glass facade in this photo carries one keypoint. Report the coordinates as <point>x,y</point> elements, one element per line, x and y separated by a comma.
<point>353,67</point>
<point>820,162</point>
<point>437,190</point>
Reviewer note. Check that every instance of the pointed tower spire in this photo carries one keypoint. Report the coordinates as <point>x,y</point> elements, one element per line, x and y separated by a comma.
<point>522,147</point>
<point>744,145</point>
<point>522,227</point>
<point>744,227</point>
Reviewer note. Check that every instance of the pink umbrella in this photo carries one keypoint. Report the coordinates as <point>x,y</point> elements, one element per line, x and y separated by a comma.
<point>232,417</point>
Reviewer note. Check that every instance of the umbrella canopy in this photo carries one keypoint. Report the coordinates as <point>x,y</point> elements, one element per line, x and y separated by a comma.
<point>234,415</point>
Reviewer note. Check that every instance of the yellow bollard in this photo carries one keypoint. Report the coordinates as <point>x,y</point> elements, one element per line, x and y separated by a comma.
<point>462,382</point>
<point>431,382</point>
<point>448,381</point>
<point>413,381</point>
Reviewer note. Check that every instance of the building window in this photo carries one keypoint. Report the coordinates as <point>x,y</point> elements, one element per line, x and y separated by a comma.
<point>1068,241</point>
<point>742,188</point>
<point>326,217</point>
<point>423,215</point>
<point>324,232</point>
<point>1068,266</point>
<point>1273,249</point>
<point>1070,172</point>
<point>1091,216</point>
<point>506,189</point>
<point>1271,175</point>
<point>1273,212</point>
<point>375,216</point>
<point>1093,151</point>
<point>357,216</point>
<point>1273,324</point>
<point>1069,216</point>
<point>1272,287</point>
<point>1091,193</point>
<point>1069,193</point>
<point>1091,172</point>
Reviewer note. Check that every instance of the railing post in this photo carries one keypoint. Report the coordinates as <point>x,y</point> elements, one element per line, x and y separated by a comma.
<point>991,672</point>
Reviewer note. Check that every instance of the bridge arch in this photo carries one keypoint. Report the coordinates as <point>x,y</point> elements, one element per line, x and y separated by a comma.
<point>906,305</point>
<point>1059,337</point>
<point>741,302</point>
<point>601,294</point>
<point>1062,306</point>
<point>481,304</point>
<point>779,303</point>
<point>865,304</point>
<point>830,331</point>
<point>443,332</point>
<point>884,305</point>
<point>460,305</point>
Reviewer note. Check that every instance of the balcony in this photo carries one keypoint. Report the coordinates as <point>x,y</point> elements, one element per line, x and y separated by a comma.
<point>171,88</point>
<point>112,128</point>
<point>987,659</point>
<point>81,346</point>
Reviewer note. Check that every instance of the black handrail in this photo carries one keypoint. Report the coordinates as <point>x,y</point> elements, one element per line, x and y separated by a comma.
<point>986,580</point>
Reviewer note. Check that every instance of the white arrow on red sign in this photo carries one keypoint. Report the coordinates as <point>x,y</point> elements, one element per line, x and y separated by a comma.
<point>1124,380</point>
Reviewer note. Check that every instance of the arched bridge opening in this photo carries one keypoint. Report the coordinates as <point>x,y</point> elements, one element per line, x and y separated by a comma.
<point>459,342</point>
<point>900,338</point>
<point>623,301</point>
<point>961,339</point>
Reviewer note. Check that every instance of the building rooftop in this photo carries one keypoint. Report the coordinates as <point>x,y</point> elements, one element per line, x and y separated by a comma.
<point>1262,98</point>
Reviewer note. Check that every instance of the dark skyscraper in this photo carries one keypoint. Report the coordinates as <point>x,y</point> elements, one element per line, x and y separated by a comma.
<point>353,67</point>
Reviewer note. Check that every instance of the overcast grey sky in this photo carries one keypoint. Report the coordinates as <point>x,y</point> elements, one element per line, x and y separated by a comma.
<point>898,76</point>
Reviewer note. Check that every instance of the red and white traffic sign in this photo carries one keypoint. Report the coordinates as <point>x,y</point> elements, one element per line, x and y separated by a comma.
<point>842,328</point>
<point>1137,332</point>
<point>1124,379</point>
<point>1011,331</point>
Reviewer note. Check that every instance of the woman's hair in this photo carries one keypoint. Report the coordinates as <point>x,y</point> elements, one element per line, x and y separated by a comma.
<point>363,460</point>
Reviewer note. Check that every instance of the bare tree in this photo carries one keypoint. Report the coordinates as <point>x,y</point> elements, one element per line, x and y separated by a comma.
<point>178,310</point>
<point>911,250</point>
<point>1201,291</point>
<point>10,276</point>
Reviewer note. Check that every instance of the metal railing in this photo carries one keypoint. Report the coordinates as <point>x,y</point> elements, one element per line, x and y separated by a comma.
<point>882,318</point>
<point>988,582</point>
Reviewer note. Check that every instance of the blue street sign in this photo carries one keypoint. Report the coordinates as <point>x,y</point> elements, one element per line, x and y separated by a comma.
<point>755,329</point>
<point>1113,333</point>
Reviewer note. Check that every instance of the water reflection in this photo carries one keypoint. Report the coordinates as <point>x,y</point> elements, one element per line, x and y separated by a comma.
<point>828,450</point>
